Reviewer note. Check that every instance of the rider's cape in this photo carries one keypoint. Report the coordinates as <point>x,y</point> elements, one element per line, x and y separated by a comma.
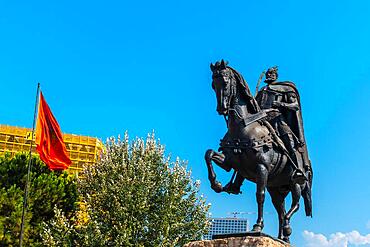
<point>293,118</point>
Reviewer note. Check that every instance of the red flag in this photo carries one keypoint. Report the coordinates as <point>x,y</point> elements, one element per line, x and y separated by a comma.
<point>49,139</point>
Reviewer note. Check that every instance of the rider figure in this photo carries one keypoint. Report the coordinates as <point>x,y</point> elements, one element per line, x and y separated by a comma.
<point>287,122</point>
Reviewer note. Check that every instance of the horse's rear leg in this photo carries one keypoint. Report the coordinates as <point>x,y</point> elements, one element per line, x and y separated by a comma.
<point>278,199</point>
<point>296,195</point>
<point>262,175</point>
<point>219,159</point>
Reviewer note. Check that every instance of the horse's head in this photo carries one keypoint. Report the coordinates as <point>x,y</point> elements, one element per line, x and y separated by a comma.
<point>223,83</point>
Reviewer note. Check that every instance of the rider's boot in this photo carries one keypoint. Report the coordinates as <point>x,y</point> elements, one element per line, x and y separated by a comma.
<point>298,175</point>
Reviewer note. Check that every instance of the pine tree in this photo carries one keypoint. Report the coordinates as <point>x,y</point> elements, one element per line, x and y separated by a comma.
<point>47,190</point>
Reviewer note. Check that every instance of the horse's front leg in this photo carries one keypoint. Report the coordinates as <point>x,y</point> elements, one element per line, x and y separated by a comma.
<point>262,175</point>
<point>219,159</point>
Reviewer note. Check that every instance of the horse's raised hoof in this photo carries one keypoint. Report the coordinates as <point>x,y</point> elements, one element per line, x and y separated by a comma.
<point>257,227</point>
<point>287,230</point>
<point>216,186</point>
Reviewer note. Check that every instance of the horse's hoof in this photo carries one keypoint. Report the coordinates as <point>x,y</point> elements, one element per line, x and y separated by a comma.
<point>216,186</point>
<point>257,227</point>
<point>287,230</point>
<point>286,239</point>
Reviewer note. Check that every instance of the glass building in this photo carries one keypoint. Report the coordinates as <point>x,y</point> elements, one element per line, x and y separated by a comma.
<point>226,226</point>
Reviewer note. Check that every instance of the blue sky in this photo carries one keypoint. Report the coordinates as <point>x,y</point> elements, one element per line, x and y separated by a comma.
<point>107,67</point>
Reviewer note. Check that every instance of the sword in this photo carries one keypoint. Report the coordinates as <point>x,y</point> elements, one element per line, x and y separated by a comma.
<point>259,82</point>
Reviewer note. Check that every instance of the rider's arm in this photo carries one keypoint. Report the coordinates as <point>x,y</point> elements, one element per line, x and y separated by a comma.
<point>292,103</point>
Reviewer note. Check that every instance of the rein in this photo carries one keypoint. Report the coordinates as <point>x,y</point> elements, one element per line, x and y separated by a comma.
<point>232,99</point>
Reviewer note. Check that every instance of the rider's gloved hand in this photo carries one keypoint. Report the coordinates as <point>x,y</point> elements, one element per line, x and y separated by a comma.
<point>277,104</point>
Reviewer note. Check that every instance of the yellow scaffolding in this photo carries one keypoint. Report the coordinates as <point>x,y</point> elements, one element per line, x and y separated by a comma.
<point>82,150</point>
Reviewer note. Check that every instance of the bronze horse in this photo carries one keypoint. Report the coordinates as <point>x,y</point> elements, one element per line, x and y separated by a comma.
<point>251,149</point>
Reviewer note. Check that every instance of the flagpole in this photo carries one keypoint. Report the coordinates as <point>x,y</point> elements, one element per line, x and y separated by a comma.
<point>29,167</point>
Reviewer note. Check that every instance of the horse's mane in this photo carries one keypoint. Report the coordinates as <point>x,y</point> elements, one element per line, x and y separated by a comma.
<point>246,91</point>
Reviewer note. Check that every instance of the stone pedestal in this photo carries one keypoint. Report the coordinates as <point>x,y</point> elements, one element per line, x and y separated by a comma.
<point>246,241</point>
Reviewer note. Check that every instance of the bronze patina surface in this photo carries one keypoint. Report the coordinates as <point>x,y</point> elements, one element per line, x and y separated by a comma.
<point>264,143</point>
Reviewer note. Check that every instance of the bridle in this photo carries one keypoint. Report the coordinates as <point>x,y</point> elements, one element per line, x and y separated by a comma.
<point>232,96</point>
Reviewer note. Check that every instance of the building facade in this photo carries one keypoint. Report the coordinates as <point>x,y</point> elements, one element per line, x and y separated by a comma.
<point>226,226</point>
<point>82,150</point>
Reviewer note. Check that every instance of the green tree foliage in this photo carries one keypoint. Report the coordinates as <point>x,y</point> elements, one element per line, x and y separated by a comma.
<point>135,196</point>
<point>11,202</point>
<point>47,190</point>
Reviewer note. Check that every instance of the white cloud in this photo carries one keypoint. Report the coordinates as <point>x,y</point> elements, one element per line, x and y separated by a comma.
<point>338,239</point>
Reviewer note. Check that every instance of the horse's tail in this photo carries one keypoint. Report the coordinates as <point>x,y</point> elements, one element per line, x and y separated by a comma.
<point>307,196</point>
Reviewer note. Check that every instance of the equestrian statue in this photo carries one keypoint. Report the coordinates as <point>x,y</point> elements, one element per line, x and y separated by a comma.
<point>264,143</point>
